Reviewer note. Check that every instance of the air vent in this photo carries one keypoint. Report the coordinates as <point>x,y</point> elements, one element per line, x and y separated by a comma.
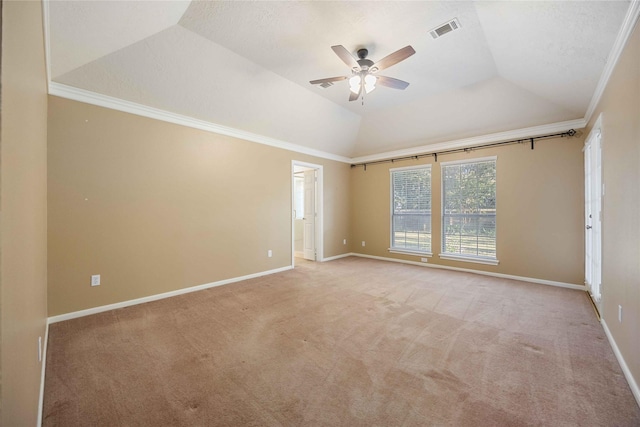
<point>445,28</point>
<point>326,84</point>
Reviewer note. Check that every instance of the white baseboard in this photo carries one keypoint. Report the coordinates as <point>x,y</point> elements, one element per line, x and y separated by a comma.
<point>42,374</point>
<point>484,273</point>
<point>633,385</point>
<point>102,308</point>
<point>331,258</point>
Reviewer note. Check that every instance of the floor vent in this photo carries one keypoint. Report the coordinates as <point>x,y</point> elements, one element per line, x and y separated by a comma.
<point>443,29</point>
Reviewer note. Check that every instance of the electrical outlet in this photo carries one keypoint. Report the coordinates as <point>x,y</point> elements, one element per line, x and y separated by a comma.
<point>95,280</point>
<point>39,349</point>
<point>424,259</point>
<point>363,244</point>
<point>620,313</point>
<point>269,253</point>
<point>344,241</point>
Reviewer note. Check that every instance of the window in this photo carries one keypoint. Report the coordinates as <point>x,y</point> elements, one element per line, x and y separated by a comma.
<point>411,209</point>
<point>298,198</point>
<point>469,210</point>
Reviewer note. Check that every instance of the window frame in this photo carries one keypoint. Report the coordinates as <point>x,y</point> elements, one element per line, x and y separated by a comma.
<point>465,257</point>
<point>397,250</point>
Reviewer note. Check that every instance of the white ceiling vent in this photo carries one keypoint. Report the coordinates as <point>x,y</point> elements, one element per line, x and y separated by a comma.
<point>445,28</point>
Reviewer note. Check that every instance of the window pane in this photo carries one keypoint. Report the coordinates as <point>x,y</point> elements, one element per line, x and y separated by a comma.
<point>469,213</point>
<point>411,209</point>
<point>298,198</point>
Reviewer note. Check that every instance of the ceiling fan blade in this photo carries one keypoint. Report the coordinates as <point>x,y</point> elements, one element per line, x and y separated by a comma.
<point>346,57</point>
<point>394,58</point>
<point>328,80</point>
<point>355,96</point>
<point>391,82</point>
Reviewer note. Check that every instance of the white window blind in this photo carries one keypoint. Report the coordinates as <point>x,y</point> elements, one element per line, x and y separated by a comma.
<point>469,208</point>
<point>411,209</point>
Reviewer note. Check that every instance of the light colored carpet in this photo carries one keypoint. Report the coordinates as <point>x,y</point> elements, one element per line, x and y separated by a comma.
<point>345,343</point>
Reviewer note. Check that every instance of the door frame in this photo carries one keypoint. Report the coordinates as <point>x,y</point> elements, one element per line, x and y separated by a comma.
<point>319,241</point>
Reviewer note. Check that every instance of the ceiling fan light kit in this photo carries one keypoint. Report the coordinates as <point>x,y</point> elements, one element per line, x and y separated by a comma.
<point>355,83</point>
<point>363,79</point>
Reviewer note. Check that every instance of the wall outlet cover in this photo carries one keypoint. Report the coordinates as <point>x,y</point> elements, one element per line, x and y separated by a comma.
<point>95,280</point>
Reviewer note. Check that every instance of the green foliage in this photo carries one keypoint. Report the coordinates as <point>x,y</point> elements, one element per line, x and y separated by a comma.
<point>469,226</point>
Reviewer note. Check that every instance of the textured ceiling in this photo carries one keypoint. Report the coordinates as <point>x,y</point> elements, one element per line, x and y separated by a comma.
<point>247,65</point>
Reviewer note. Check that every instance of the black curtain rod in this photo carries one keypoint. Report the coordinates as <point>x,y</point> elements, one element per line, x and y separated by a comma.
<point>435,155</point>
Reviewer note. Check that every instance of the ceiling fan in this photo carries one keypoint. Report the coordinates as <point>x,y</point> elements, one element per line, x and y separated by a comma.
<point>363,77</point>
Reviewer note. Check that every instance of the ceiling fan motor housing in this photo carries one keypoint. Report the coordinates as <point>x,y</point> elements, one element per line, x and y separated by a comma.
<point>363,62</point>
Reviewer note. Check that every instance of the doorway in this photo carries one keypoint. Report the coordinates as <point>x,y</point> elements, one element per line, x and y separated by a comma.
<point>306,218</point>
<point>593,192</point>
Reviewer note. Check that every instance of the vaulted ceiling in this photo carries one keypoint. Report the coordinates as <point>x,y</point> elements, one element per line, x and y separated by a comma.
<point>247,65</point>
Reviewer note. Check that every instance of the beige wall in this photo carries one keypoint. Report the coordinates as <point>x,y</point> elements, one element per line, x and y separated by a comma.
<point>154,207</point>
<point>23,198</point>
<point>539,210</point>
<point>620,109</point>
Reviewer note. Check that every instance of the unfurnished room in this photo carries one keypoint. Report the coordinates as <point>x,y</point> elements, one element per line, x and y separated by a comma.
<point>319,213</point>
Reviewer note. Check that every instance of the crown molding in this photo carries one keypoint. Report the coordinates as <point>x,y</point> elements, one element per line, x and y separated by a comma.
<point>101,100</point>
<point>523,133</point>
<point>629,23</point>
<point>93,98</point>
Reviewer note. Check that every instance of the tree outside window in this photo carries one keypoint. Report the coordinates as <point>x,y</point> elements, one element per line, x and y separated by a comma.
<point>469,208</point>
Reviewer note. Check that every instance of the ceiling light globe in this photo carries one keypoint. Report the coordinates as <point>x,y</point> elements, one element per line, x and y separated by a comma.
<point>354,84</point>
<point>370,79</point>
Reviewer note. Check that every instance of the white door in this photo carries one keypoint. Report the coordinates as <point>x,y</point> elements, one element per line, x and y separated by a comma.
<point>309,220</point>
<point>593,214</point>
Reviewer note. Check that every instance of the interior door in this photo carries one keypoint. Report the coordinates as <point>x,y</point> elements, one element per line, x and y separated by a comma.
<point>309,220</point>
<point>593,214</point>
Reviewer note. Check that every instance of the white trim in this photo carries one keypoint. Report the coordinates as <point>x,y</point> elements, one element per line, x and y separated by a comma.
<point>42,375</point>
<point>47,43</point>
<point>406,168</point>
<point>477,260</point>
<point>477,140</point>
<point>298,254</point>
<point>595,130</point>
<point>381,258</point>
<point>319,225</point>
<point>332,258</point>
<point>409,252</point>
<point>633,385</point>
<point>484,273</point>
<point>102,308</point>
<point>105,101</point>
<point>630,20</point>
<point>471,160</point>
<point>93,98</point>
